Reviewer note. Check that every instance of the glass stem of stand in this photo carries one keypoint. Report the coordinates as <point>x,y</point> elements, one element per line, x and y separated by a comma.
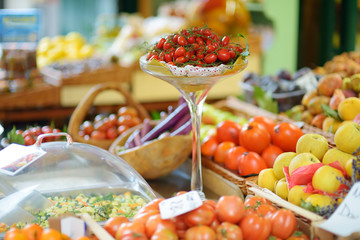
<point>195,102</point>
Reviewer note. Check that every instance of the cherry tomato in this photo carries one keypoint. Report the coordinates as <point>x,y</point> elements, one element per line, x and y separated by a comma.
<point>87,127</point>
<point>210,58</point>
<point>228,130</point>
<point>223,55</point>
<point>46,129</point>
<point>29,140</point>
<point>167,45</point>
<point>209,145</point>
<point>254,137</point>
<point>251,163</point>
<point>225,41</point>
<point>270,154</point>
<point>161,43</point>
<point>285,135</point>
<point>222,150</point>
<point>203,215</point>
<point>112,224</point>
<point>179,52</point>
<point>127,110</point>
<point>128,121</point>
<point>182,41</point>
<point>98,135</point>
<point>191,40</point>
<point>255,227</point>
<point>268,123</point>
<point>233,157</point>
<point>283,223</point>
<point>230,209</point>
<point>181,59</point>
<point>200,232</point>
<point>112,133</point>
<point>168,57</point>
<point>228,231</point>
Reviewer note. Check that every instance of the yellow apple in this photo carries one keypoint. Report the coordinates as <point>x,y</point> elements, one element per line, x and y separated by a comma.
<point>312,143</point>
<point>335,154</point>
<point>318,200</point>
<point>347,138</point>
<point>281,189</point>
<point>349,108</point>
<point>327,179</point>
<point>267,179</point>
<point>330,125</point>
<point>282,160</point>
<point>302,159</point>
<point>297,194</point>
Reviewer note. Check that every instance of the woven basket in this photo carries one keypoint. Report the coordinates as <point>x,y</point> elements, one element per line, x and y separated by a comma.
<point>82,109</point>
<point>157,158</point>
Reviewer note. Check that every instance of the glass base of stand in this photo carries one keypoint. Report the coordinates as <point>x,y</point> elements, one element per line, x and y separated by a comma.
<point>202,195</point>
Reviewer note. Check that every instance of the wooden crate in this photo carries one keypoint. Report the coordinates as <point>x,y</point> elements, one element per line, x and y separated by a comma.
<point>38,96</point>
<point>109,73</point>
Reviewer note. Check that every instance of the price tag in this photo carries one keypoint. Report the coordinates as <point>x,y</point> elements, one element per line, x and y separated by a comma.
<point>16,157</point>
<point>346,218</point>
<point>73,227</point>
<point>178,205</point>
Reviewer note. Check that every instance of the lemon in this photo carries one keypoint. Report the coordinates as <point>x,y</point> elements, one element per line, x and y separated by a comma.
<point>267,179</point>
<point>281,189</point>
<point>296,194</point>
<point>58,40</point>
<point>86,51</point>
<point>318,200</point>
<point>75,38</point>
<point>327,179</point>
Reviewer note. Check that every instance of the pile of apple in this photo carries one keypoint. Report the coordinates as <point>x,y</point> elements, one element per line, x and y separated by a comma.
<point>252,147</point>
<point>334,101</point>
<point>110,126</point>
<point>316,176</point>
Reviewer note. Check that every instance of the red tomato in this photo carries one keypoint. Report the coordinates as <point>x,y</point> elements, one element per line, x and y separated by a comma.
<point>29,140</point>
<point>228,231</point>
<point>298,235</point>
<point>127,110</point>
<point>182,41</point>
<point>46,129</point>
<point>221,151</point>
<point>230,209</point>
<point>265,210</point>
<point>255,227</point>
<point>251,163</point>
<point>268,123</point>
<point>128,120</point>
<point>228,130</point>
<point>254,137</point>
<point>210,58</point>
<point>36,130</point>
<point>164,234</point>
<point>200,232</point>
<point>32,231</point>
<point>255,201</point>
<point>112,133</point>
<point>130,228</point>
<point>51,234</point>
<point>98,135</point>
<point>270,154</point>
<point>225,41</point>
<point>160,44</point>
<point>283,223</point>
<point>113,224</point>
<point>209,145</point>
<point>223,55</point>
<point>155,221</point>
<point>179,52</point>
<point>203,215</point>
<point>144,216</point>
<point>233,157</point>
<point>285,135</point>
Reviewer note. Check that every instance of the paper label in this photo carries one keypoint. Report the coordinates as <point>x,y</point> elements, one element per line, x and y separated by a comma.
<point>73,227</point>
<point>181,204</point>
<point>16,157</point>
<point>346,218</point>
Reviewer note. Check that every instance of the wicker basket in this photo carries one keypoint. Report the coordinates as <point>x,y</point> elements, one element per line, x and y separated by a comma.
<point>157,158</point>
<point>82,109</point>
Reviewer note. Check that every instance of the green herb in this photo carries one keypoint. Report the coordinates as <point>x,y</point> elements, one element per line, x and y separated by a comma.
<point>265,100</point>
<point>246,52</point>
<point>328,111</point>
<point>15,138</point>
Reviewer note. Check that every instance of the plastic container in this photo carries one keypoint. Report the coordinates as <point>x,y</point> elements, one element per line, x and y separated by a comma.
<point>69,168</point>
<point>285,100</point>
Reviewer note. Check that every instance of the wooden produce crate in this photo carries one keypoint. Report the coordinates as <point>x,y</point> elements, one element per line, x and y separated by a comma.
<point>38,96</point>
<point>108,73</point>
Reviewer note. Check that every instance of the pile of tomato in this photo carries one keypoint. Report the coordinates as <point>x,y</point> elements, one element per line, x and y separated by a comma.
<point>228,218</point>
<point>33,231</point>
<point>196,46</point>
<point>30,135</point>
<point>110,126</point>
<point>250,148</point>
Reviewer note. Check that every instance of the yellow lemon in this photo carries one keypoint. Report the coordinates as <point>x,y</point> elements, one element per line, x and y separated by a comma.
<point>75,38</point>
<point>86,51</point>
<point>296,194</point>
<point>281,189</point>
<point>349,108</point>
<point>327,179</point>
<point>267,179</point>
<point>318,200</point>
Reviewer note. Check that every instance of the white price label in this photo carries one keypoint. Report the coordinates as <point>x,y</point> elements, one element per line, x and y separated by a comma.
<point>181,204</point>
<point>346,218</point>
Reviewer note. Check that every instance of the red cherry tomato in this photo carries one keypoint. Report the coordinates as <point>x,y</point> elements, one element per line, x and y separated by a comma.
<point>223,55</point>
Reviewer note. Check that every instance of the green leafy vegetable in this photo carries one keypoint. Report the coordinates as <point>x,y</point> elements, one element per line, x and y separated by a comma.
<point>328,111</point>
<point>265,100</point>
<point>15,138</point>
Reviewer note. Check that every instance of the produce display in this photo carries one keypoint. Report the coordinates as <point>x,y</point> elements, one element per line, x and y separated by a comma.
<point>250,148</point>
<point>230,217</point>
<point>316,176</point>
